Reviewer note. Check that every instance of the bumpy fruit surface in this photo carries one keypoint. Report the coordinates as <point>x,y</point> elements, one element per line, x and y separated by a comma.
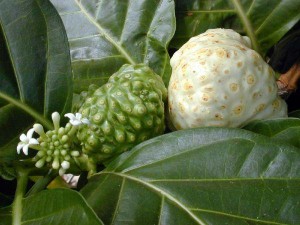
<point>125,111</point>
<point>218,80</point>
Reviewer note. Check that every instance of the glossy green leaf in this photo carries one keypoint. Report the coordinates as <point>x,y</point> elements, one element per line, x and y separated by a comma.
<point>5,216</point>
<point>271,127</point>
<point>53,207</point>
<point>295,114</point>
<point>35,69</point>
<point>264,21</point>
<point>210,176</point>
<point>283,129</point>
<point>105,34</point>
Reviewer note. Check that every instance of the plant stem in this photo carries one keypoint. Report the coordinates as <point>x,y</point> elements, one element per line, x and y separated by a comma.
<point>288,82</point>
<point>17,203</point>
<point>42,183</point>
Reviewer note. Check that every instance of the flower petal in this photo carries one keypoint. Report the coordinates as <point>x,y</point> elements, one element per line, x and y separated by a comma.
<point>19,147</point>
<point>70,116</point>
<point>23,138</point>
<point>38,128</point>
<point>33,141</point>
<point>25,149</point>
<point>78,116</point>
<point>30,133</point>
<point>85,121</point>
<point>75,122</point>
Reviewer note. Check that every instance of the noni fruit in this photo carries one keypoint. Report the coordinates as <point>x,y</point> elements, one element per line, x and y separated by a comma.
<point>125,111</point>
<point>218,80</point>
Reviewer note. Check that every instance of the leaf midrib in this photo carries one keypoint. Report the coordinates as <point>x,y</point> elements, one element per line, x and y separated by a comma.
<point>247,24</point>
<point>44,121</point>
<point>188,210</point>
<point>267,18</point>
<point>162,193</point>
<point>48,55</point>
<point>21,91</point>
<point>106,35</point>
<point>224,179</point>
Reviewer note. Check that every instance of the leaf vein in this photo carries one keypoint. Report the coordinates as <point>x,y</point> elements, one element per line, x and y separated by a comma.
<point>162,193</point>
<point>106,35</point>
<point>267,18</point>
<point>119,200</point>
<point>236,216</point>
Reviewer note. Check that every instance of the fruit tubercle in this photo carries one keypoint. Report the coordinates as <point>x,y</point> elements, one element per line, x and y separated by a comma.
<point>58,148</point>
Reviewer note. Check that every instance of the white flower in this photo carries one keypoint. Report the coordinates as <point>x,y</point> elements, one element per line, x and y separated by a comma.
<point>77,119</point>
<point>26,141</point>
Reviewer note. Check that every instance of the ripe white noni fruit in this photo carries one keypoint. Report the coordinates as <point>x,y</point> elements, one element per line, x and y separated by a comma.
<point>218,80</point>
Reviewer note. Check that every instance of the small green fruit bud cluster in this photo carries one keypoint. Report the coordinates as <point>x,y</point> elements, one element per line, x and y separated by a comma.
<point>56,148</point>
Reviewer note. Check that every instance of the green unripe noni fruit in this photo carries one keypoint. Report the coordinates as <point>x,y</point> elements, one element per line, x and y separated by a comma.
<point>125,111</point>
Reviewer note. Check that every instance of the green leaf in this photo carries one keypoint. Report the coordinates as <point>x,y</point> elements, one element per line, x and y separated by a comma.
<point>7,171</point>
<point>283,129</point>
<point>5,216</point>
<point>57,206</point>
<point>272,127</point>
<point>104,35</point>
<point>265,22</point>
<point>35,69</point>
<point>295,114</point>
<point>211,176</point>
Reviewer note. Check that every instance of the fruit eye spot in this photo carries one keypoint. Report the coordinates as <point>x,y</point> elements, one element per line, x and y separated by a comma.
<point>260,108</point>
<point>234,87</point>
<point>221,53</point>
<point>218,116</point>
<point>188,86</point>
<point>101,102</point>
<point>226,71</point>
<point>275,104</point>
<point>239,64</point>
<point>256,95</point>
<point>250,79</point>
<point>97,118</point>
<point>108,85</point>
<point>238,110</point>
<point>203,77</point>
<point>205,97</point>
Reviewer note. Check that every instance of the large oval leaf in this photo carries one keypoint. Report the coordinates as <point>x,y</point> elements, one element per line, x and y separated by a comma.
<point>208,176</point>
<point>35,69</point>
<point>53,207</point>
<point>272,127</point>
<point>104,35</point>
<point>265,22</point>
<point>283,129</point>
<point>295,114</point>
